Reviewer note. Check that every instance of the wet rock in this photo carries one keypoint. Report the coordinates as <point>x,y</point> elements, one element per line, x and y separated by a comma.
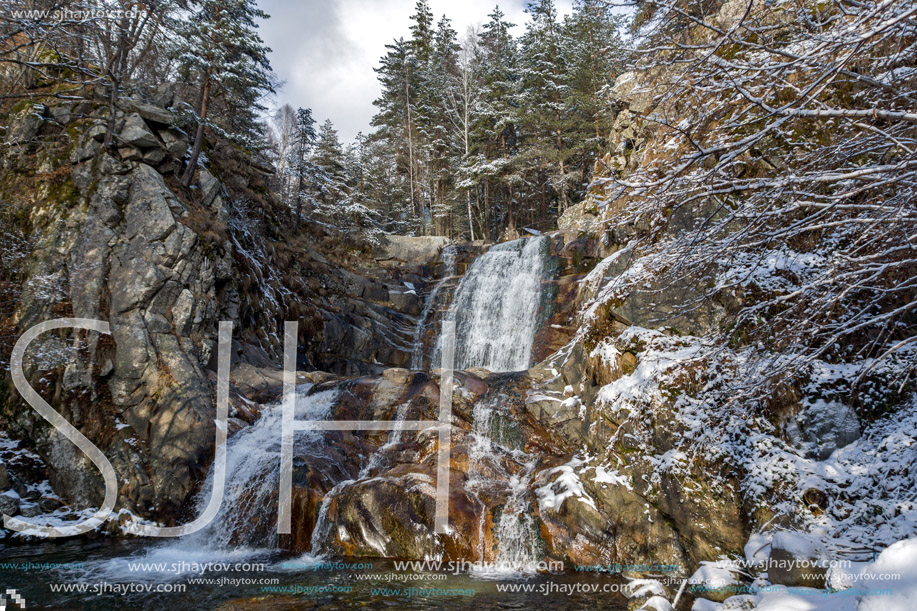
<point>48,505</point>
<point>390,517</point>
<point>270,603</point>
<point>30,510</point>
<point>647,594</point>
<point>264,384</point>
<point>4,478</point>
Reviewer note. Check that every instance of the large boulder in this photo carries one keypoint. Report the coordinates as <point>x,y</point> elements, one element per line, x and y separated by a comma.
<point>798,559</point>
<point>137,133</point>
<point>411,249</point>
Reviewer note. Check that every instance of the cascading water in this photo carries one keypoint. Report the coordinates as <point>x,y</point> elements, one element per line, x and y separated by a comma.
<point>448,258</point>
<point>515,533</point>
<point>245,526</point>
<point>322,525</point>
<point>496,306</point>
<point>253,471</point>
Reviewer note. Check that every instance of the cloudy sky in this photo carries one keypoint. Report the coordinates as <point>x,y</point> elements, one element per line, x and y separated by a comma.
<point>325,50</point>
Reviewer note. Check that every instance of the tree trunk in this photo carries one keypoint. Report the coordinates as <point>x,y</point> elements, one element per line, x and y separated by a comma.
<point>199,134</point>
<point>470,221</point>
<point>486,228</point>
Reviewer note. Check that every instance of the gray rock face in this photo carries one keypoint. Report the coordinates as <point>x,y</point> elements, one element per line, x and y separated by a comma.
<point>152,113</point>
<point>128,260</point>
<point>421,249</point>
<point>176,142</point>
<point>24,126</point>
<point>823,427</point>
<point>9,504</point>
<point>121,247</point>
<point>137,133</point>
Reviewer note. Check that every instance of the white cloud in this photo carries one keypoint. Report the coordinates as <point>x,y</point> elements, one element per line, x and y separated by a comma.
<point>325,51</point>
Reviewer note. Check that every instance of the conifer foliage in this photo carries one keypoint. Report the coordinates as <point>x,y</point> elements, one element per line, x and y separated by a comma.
<point>492,134</point>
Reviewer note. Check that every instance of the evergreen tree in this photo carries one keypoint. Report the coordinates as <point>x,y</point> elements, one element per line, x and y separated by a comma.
<point>330,180</point>
<point>545,113</point>
<point>439,132</point>
<point>594,52</point>
<point>300,164</point>
<point>396,121</point>
<point>495,133</point>
<point>222,51</point>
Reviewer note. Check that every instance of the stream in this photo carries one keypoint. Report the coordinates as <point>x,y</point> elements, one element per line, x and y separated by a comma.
<point>495,307</point>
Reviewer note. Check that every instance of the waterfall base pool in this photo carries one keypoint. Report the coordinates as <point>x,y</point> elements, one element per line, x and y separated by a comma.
<point>295,582</point>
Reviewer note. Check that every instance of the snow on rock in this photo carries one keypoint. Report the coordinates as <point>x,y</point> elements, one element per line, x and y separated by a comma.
<point>798,559</point>
<point>715,580</point>
<point>611,476</point>
<point>757,549</point>
<point>657,603</point>
<point>566,484</point>
<point>899,561</point>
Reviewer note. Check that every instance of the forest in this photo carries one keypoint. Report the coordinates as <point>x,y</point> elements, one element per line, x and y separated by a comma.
<point>478,134</point>
<point>625,283</point>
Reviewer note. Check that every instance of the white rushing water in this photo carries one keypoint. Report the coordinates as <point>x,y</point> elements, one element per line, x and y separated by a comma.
<point>448,258</point>
<point>253,469</point>
<point>251,495</point>
<point>515,531</point>
<point>496,306</point>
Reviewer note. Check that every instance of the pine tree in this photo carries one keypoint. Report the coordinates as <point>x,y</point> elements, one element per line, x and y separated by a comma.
<point>543,100</point>
<point>222,51</point>
<point>442,74</point>
<point>594,51</point>
<point>495,132</point>
<point>328,157</point>
<point>300,164</point>
<point>464,98</point>
<point>396,117</point>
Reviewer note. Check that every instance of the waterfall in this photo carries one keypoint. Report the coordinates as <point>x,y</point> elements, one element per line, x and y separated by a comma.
<point>246,526</point>
<point>322,526</point>
<point>496,306</point>
<point>515,531</point>
<point>253,472</point>
<point>448,258</point>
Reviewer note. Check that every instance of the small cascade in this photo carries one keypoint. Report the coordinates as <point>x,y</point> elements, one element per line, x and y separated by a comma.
<point>253,474</point>
<point>429,307</point>
<point>496,306</point>
<point>322,525</point>
<point>515,532</point>
<point>246,525</point>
